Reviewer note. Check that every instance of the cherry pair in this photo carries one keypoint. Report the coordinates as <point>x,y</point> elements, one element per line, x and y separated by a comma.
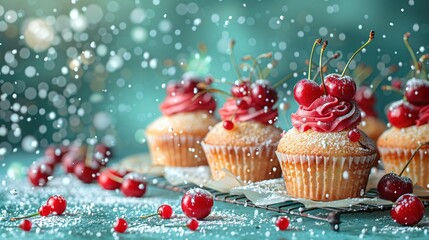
<point>130,184</point>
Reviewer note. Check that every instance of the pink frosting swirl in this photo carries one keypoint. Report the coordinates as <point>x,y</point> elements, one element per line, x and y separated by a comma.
<point>230,111</point>
<point>327,114</point>
<point>183,101</point>
<point>423,116</point>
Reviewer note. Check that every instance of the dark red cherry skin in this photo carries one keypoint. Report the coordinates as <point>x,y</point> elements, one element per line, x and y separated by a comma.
<point>58,204</point>
<point>343,88</point>
<point>26,225</point>
<point>306,92</point>
<point>262,94</point>
<point>417,91</point>
<point>402,114</point>
<point>133,185</point>
<point>240,89</point>
<point>391,186</point>
<point>120,225</point>
<point>87,173</point>
<point>365,97</point>
<point>70,160</point>
<point>408,210</point>
<point>56,152</point>
<point>106,181</point>
<point>38,174</point>
<point>197,203</point>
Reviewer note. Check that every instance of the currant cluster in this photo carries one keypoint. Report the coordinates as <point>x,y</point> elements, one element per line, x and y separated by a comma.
<point>404,113</point>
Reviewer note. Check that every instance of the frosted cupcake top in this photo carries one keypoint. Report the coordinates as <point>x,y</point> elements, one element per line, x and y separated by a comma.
<point>187,96</point>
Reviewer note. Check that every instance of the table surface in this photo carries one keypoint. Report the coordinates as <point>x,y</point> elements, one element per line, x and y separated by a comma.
<point>92,211</point>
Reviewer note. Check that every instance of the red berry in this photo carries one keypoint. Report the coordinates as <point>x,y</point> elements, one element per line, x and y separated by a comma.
<point>306,92</point>
<point>120,225</point>
<point>107,179</point>
<point>242,103</point>
<point>282,223</point>
<point>38,174</point>
<point>262,94</point>
<point>343,88</point>
<point>103,150</point>
<point>56,152</point>
<point>408,210</point>
<point>402,114</point>
<point>240,89</point>
<point>189,85</point>
<point>87,174</point>
<point>365,96</point>
<point>71,159</point>
<point>417,91</point>
<point>354,135</point>
<point>228,125</point>
<point>165,211</point>
<point>192,224</point>
<point>58,204</point>
<point>197,203</point>
<point>133,185</point>
<point>45,210</point>
<point>391,186</point>
<point>26,225</point>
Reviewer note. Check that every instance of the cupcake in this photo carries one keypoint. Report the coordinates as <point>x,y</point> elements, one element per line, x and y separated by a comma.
<point>324,157</point>
<point>244,143</point>
<point>175,138</point>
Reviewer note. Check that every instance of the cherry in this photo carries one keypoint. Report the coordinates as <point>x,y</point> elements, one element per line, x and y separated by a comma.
<point>71,159</point>
<point>192,224</point>
<point>164,211</point>
<point>26,225</point>
<point>354,135</point>
<point>45,210</point>
<point>282,223</point>
<point>228,125</point>
<point>103,150</point>
<point>87,173</point>
<point>240,89</point>
<point>306,92</point>
<point>242,103</point>
<point>391,186</point>
<point>417,91</point>
<point>408,210</point>
<point>262,94</point>
<point>56,152</point>
<point>120,225</point>
<point>197,203</point>
<point>189,85</point>
<point>111,179</point>
<point>365,96</point>
<point>38,174</point>
<point>402,114</point>
<point>133,185</point>
<point>343,88</point>
<point>58,204</point>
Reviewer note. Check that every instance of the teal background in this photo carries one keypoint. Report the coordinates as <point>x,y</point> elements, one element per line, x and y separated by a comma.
<point>130,95</point>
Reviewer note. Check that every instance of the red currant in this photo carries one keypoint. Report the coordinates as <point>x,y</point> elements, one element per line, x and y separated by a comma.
<point>26,225</point>
<point>240,89</point>
<point>402,114</point>
<point>228,125</point>
<point>39,173</point>
<point>192,224</point>
<point>165,211</point>
<point>343,88</point>
<point>120,225</point>
<point>282,223</point>
<point>197,203</point>
<point>391,186</point>
<point>58,204</point>
<point>417,91</point>
<point>306,91</point>
<point>111,179</point>
<point>85,173</point>
<point>45,210</point>
<point>408,210</point>
<point>354,135</point>
<point>133,185</point>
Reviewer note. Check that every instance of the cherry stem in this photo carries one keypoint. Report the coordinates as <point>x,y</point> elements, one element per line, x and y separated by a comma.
<point>89,154</point>
<point>114,177</point>
<point>266,71</point>
<point>423,60</point>
<point>148,216</point>
<point>413,55</point>
<point>287,77</point>
<point>316,42</point>
<point>392,89</point>
<point>13,219</point>
<point>322,50</point>
<point>363,72</point>
<point>371,36</point>
<point>412,156</point>
<point>232,57</point>
<point>334,56</point>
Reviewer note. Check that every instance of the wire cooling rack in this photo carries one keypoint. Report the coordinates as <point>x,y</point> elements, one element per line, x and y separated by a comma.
<point>330,215</point>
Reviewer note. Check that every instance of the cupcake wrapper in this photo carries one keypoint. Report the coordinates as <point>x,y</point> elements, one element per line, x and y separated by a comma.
<point>394,160</point>
<point>176,150</point>
<point>325,178</point>
<point>251,164</point>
